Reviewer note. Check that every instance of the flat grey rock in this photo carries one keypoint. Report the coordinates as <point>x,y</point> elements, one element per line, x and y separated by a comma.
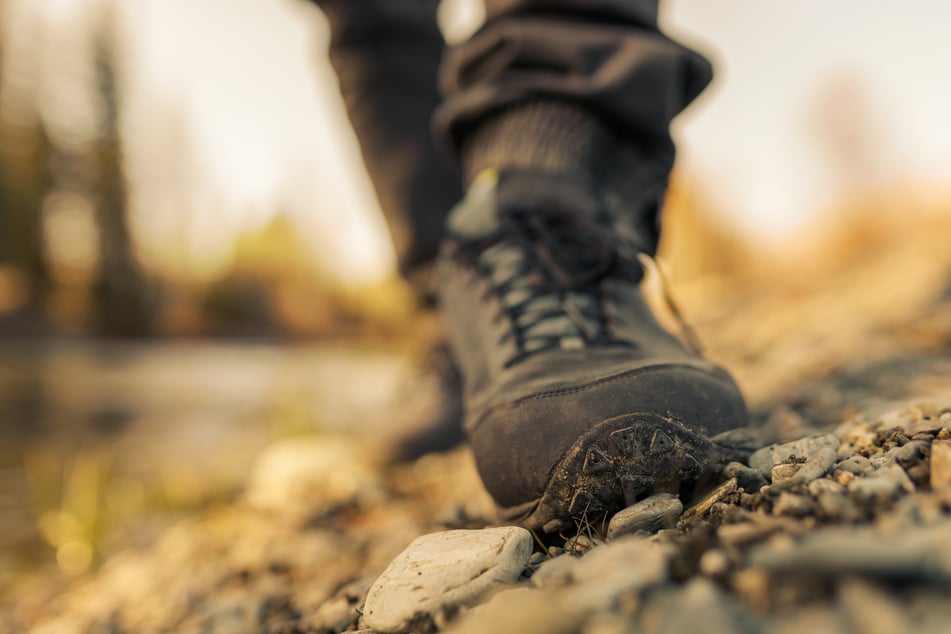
<point>445,570</point>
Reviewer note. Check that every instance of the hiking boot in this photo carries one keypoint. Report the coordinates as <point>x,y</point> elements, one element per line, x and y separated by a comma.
<point>578,402</point>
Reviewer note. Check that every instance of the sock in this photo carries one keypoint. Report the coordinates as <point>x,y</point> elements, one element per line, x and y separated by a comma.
<point>568,141</point>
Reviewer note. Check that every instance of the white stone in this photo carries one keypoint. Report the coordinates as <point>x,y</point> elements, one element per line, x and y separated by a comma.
<point>445,570</point>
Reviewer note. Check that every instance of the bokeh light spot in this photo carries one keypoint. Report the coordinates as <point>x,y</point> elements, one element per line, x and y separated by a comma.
<point>75,557</point>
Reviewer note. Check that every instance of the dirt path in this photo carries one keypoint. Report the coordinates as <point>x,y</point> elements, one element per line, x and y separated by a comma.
<point>293,543</point>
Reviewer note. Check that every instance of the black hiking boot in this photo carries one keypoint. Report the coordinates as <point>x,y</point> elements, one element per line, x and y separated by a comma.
<point>578,402</point>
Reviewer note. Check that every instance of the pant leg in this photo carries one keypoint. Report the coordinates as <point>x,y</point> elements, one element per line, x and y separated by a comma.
<point>386,54</point>
<point>607,55</point>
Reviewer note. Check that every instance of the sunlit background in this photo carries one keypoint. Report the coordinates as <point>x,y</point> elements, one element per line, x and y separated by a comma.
<point>213,131</point>
<point>172,169</point>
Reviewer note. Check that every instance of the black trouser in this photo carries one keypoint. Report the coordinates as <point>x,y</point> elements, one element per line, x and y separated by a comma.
<point>605,54</point>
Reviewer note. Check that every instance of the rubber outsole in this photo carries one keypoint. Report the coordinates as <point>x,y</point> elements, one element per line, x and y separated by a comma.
<point>617,463</point>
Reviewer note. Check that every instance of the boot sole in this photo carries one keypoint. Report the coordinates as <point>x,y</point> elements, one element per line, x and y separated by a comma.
<point>617,463</point>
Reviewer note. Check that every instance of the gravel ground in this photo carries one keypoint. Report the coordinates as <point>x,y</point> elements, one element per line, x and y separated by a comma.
<point>856,541</point>
<point>834,517</point>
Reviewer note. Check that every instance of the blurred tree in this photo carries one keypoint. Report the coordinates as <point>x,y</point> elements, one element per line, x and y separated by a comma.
<point>25,150</point>
<point>121,293</point>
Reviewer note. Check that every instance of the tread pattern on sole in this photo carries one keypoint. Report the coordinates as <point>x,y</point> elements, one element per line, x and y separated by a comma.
<point>617,463</point>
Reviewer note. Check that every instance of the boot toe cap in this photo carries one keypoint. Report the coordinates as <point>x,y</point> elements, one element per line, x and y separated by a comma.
<point>550,455</point>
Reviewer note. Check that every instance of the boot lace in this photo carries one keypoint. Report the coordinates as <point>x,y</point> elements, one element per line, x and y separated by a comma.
<point>547,266</point>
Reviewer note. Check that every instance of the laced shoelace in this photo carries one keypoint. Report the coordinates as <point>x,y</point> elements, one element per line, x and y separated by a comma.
<point>546,267</point>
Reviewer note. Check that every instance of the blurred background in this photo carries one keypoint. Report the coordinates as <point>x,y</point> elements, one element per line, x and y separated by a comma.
<point>175,168</point>
<point>180,191</point>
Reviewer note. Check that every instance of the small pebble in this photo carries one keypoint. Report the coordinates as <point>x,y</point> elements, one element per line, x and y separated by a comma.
<point>911,452</point>
<point>792,505</point>
<point>874,487</point>
<point>714,563</point>
<point>885,459</point>
<point>752,584</point>
<point>334,615</point>
<point>580,544</point>
<point>740,534</point>
<point>897,474</point>
<point>620,567</point>
<point>703,507</point>
<point>783,472</point>
<point>669,534</point>
<point>856,437</point>
<point>816,465</point>
<point>825,485</point>
<point>650,515</point>
<point>857,464</point>
<point>940,464</point>
<point>920,473</point>
<point>555,572</point>
<point>747,478</point>
<point>844,478</point>
<point>766,458</point>
<point>838,507</point>
<point>700,607</point>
